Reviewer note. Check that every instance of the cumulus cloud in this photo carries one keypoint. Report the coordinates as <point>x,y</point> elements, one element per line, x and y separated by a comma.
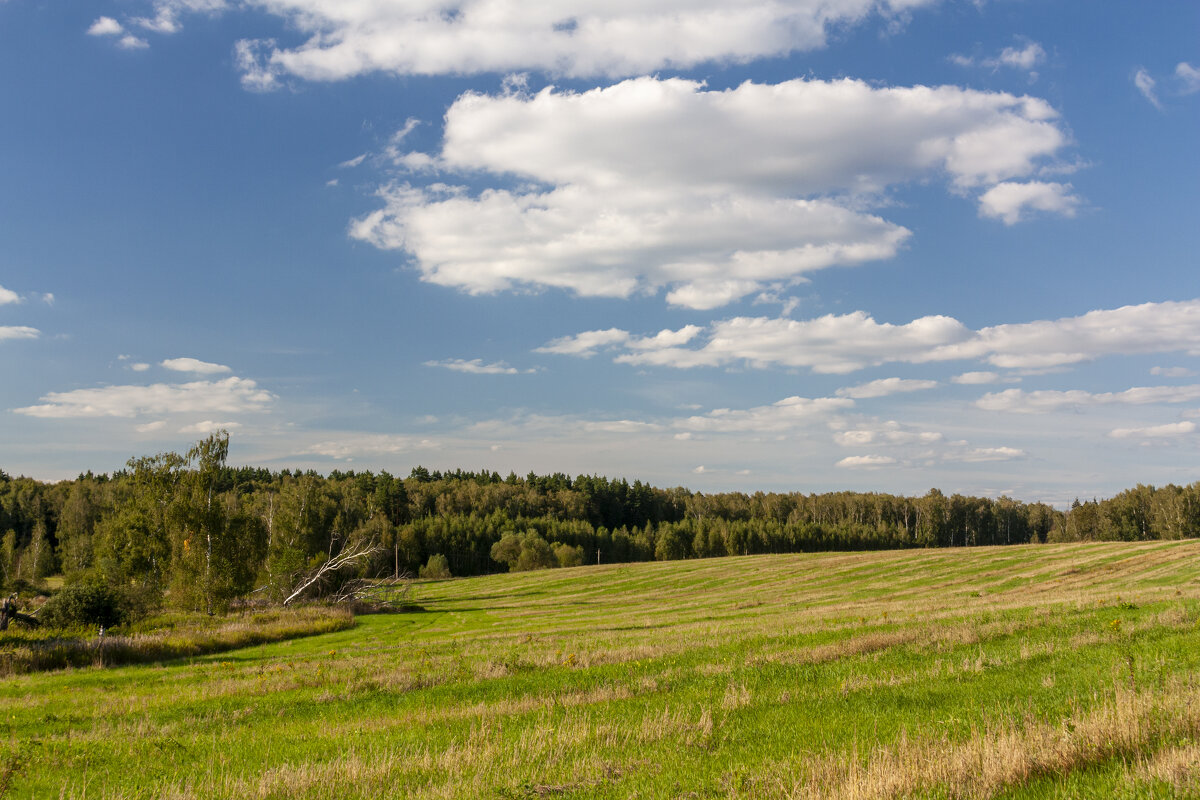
<point>151,427</point>
<point>8,296</point>
<point>230,395</point>
<point>828,344</point>
<point>1008,201</point>
<point>1168,431</point>
<point>848,342</point>
<point>105,26</point>
<point>866,462</point>
<point>885,387</point>
<point>1146,85</point>
<point>131,42</point>
<point>475,366</point>
<point>195,366</point>
<point>588,38</point>
<point>1042,401</point>
<point>713,195</point>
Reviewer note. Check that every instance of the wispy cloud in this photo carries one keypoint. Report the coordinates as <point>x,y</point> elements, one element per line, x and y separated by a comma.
<point>475,366</point>
<point>1046,400</point>
<point>885,387</point>
<point>1169,431</point>
<point>1147,86</point>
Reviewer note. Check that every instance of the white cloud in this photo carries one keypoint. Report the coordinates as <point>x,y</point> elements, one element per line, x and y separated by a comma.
<point>151,427</point>
<point>1024,58</point>
<point>230,395</point>
<point>195,366</point>
<point>208,426</point>
<point>18,332</point>
<point>8,296</point>
<point>713,195</point>
<point>885,433</point>
<point>785,415</point>
<point>475,366</point>
<point>1172,372</point>
<point>586,38</point>
<point>1168,431</point>
<point>1146,85</point>
<point>975,378</point>
<point>350,163</point>
<point>351,445</point>
<point>256,77</point>
<point>105,26</point>
<point>1007,201</point>
<point>1042,401</point>
<point>884,387</point>
<point>829,344</point>
<point>131,42</point>
<point>139,366</point>
<point>866,462</point>
<point>1189,75</point>
<point>848,342</point>
<point>978,455</point>
<point>585,344</point>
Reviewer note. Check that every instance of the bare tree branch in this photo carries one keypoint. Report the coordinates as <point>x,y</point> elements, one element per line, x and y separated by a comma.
<point>350,555</point>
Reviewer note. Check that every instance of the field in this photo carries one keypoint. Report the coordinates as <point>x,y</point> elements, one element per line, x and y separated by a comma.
<point>1054,671</point>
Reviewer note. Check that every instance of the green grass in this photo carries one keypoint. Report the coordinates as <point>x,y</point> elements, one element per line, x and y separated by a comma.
<point>1048,672</point>
<point>162,637</point>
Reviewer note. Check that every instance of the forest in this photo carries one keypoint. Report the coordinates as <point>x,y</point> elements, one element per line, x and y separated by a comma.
<point>190,531</point>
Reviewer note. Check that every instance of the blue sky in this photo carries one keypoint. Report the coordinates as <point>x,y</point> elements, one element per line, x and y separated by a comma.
<point>857,244</point>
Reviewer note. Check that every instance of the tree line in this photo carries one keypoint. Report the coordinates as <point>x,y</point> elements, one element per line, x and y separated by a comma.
<point>192,531</point>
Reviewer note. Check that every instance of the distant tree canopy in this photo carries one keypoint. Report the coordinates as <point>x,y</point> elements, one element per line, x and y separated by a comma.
<point>197,533</point>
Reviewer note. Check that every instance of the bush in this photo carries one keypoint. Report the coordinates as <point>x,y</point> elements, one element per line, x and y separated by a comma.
<point>436,567</point>
<point>88,604</point>
<point>536,553</point>
<point>567,555</point>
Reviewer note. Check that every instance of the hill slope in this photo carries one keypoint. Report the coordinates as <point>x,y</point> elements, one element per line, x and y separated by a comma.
<point>1032,671</point>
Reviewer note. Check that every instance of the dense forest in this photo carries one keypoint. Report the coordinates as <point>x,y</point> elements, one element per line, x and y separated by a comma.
<point>197,533</point>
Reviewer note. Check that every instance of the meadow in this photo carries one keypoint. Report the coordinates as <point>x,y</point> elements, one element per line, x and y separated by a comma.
<point>1033,671</point>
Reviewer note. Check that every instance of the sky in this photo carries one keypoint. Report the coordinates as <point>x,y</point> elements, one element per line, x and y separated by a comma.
<point>779,245</point>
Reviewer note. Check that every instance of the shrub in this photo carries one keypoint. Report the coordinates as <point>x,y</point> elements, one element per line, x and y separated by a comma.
<point>88,604</point>
<point>536,553</point>
<point>436,567</point>
<point>567,555</point>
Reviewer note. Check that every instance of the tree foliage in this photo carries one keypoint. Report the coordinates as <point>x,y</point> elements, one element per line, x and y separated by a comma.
<point>194,532</point>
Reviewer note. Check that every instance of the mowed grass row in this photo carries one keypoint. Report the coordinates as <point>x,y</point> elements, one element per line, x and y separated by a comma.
<point>1039,671</point>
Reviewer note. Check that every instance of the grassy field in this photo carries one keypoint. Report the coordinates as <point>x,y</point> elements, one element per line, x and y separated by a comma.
<point>1056,671</point>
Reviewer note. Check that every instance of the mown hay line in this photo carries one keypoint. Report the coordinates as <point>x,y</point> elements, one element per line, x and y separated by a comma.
<point>993,759</point>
